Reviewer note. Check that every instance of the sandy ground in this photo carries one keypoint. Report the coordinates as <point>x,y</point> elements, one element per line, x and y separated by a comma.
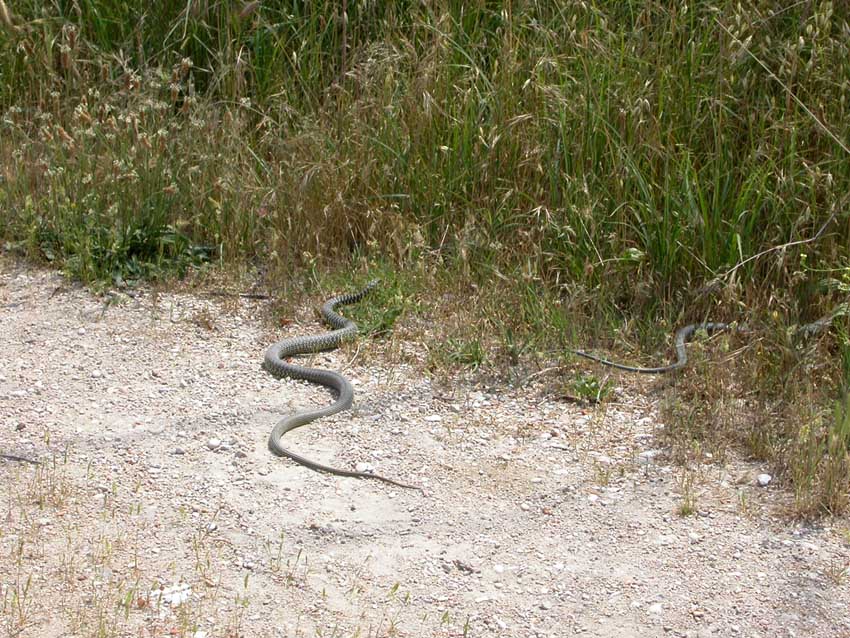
<point>157,509</point>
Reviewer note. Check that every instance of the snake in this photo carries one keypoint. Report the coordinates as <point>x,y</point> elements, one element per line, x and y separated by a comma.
<point>683,335</point>
<point>275,362</point>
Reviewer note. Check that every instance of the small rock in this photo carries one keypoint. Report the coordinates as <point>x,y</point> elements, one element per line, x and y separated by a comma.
<point>655,608</point>
<point>178,450</point>
<point>175,595</point>
<point>545,605</point>
<point>433,418</point>
<point>645,458</point>
<point>525,507</point>
<point>81,331</point>
<point>764,480</point>
<point>466,568</point>
<point>364,467</point>
<point>213,444</point>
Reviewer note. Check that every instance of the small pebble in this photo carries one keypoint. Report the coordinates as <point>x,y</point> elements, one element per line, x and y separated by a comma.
<point>764,480</point>
<point>645,458</point>
<point>214,444</point>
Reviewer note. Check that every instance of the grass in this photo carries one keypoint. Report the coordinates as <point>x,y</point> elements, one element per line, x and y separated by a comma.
<point>539,174</point>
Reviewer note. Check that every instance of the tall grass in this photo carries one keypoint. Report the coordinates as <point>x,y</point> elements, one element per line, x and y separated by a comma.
<point>603,142</point>
<point>611,158</point>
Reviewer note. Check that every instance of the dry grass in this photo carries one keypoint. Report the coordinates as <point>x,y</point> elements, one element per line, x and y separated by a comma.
<point>766,400</point>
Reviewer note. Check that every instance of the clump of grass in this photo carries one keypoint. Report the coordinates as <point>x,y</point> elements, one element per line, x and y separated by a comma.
<point>467,353</point>
<point>598,144</point>
<point>763,402</point>
<point>688,504</point>
<point>820,466</point>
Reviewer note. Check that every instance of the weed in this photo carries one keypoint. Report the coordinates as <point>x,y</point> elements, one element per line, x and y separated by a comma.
<point>464,352</point>
<point>836,572</point>
<point>587,387</point>
<point>688,505</point>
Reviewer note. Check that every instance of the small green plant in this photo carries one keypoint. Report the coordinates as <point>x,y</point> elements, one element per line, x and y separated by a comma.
<point>465,352</point>
<point>688,504</point>
<point>588,387</point>
<point>602,473</point>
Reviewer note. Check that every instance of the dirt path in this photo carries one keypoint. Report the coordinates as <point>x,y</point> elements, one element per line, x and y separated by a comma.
<point>158,511</point>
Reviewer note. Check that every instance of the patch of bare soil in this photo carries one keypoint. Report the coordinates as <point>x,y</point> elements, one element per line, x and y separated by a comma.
<point>157,510</point>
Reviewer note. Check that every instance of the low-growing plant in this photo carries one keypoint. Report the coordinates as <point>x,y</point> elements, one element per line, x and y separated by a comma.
<point>588,387</point>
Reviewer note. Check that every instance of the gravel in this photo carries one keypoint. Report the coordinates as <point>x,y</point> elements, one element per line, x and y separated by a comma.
<point>541,518</point>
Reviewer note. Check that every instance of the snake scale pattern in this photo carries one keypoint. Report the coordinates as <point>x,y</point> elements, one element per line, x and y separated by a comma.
<point>276,363</point>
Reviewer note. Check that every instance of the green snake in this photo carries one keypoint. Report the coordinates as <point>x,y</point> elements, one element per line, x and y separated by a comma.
<point>275,363</point>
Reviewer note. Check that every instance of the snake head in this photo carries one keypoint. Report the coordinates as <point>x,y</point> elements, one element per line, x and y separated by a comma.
<point>374,283</point>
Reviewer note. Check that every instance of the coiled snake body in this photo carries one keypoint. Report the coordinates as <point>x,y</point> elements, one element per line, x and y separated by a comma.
<point>276,364</point>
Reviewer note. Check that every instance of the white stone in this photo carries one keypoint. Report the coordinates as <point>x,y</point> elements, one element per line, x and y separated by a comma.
<point>175,595</point>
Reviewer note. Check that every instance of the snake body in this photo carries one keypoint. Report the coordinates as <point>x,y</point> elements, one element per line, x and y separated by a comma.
<point>683,335</point>
<point>275,363</point>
